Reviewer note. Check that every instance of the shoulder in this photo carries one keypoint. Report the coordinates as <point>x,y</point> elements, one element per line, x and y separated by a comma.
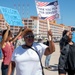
<point>38,44</point>
<point>65,49</point>
<point>18,49</point>
<point>66,46</point>
<point>4,45</point>
<point>74,43</point>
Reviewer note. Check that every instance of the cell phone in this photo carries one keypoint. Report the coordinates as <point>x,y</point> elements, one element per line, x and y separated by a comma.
<point>73,36</point>
<point>72,29</point>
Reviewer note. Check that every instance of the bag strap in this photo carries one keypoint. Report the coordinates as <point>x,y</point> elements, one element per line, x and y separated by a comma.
<point>39,58</point>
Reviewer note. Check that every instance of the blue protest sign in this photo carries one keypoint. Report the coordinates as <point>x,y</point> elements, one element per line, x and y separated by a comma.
<point>11,16</point>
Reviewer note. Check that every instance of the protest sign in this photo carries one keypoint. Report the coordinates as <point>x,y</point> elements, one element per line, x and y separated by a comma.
<point>11,16</point>
<point>47,10</point>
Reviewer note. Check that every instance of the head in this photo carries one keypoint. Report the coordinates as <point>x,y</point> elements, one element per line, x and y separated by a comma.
<point>70,36</point>
<point>28,36</point>
<point>9,35</point>
<point>64,32</point>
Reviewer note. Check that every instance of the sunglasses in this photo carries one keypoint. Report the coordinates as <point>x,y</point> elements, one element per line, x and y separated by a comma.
<point>29,36</point>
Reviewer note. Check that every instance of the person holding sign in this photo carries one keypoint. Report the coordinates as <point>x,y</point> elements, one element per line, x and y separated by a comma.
<point>28,56</point>
<point>7,48</point>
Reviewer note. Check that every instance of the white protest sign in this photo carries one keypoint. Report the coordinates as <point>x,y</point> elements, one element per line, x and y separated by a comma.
<point>47,10</point>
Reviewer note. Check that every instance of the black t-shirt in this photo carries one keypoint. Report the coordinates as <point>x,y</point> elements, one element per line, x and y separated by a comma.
<point>71,57</point>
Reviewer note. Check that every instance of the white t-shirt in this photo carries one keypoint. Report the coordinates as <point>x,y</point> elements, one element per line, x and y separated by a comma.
<point>27,60</point>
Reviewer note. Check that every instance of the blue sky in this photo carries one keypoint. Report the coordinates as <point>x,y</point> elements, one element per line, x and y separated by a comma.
<point>27,8</point>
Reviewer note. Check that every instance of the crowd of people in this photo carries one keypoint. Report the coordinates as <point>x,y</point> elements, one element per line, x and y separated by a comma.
<point>23,53</point>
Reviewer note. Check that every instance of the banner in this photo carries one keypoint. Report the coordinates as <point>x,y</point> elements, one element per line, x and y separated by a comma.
<point>11,16</point>
<point>47,10</point>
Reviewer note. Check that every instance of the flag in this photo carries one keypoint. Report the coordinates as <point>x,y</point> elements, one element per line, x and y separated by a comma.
<point>50,18</point>
<point>47,10</point>
<point>42,3</point>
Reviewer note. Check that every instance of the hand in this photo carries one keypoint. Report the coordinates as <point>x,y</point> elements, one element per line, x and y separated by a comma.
<point>21,28</point>
<point>23,31</point>
<point>50,33</point>
<point>24,28</point>
<point>8,27</point>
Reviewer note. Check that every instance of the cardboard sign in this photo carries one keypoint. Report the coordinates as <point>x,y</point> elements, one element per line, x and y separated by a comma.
<point>11,16</point>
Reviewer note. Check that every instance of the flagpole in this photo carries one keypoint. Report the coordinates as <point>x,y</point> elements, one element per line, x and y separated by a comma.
<point>48,25</point>
<point>48,28</point>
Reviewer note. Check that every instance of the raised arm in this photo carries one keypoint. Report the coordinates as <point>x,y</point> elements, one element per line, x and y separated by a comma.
<point>21,32</point>
<point>5,35</point>
<point>64,40</point>
<point>15,38</point>
<point>51,48</point>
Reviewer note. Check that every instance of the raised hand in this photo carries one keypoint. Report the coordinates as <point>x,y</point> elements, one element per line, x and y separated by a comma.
<point>8,27</point>
<point>50,33</point>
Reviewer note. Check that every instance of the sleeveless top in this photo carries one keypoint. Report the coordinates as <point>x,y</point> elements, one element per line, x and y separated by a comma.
<point>7,53</point>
